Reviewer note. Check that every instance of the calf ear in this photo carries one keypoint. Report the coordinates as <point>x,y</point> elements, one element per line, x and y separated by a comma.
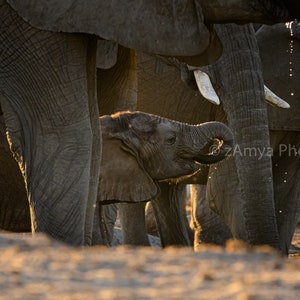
<point>122,177</point>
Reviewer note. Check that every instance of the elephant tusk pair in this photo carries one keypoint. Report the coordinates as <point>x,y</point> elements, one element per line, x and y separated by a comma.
<point>207,91</point>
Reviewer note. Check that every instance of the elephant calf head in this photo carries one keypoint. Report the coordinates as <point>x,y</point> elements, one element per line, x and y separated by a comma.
<point>140,149</point>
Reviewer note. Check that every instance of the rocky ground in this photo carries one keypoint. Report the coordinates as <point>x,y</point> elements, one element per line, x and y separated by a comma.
<point>40,268</point>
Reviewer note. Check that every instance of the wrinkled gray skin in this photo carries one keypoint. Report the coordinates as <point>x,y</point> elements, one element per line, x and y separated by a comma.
<point>150,149</point>
<point>284,133</point>
<point>280,71</point>
<point>117,79</point>
<point>160,83</point>
<point>49,104</point>
<point>238,81</point>
<point>48,87</point>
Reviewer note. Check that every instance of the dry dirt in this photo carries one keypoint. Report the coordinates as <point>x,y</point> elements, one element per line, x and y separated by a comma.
<point>40,268</point>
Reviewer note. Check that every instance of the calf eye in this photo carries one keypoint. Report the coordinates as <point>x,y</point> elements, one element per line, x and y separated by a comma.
<point>171,140</point>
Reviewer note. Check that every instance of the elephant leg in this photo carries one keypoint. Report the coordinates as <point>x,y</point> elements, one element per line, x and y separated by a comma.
<point>170,215</point>
<point>109,213</point>
<point>14,208</point>
<point>208,226</point>
<point>246,176</point>
<point>104,222</point>
<point>151,224</point>
<point>98,238</point>
<point>286,174</point>
<point>50,109</point>
<point>117,91</point>
<point>132,217</point>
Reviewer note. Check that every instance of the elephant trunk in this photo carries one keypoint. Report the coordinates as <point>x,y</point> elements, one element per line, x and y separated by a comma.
<point>218,142</point>
<point>251,214</point>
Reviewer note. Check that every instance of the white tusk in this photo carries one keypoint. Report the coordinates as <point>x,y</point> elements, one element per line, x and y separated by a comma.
<point>205,87</point>
<point>207,91</point>
<point>273,99</point>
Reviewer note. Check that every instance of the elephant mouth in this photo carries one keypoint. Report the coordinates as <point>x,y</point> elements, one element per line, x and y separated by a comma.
<point>214,151</point>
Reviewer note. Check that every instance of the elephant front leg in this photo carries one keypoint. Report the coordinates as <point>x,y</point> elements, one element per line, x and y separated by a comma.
<point>50,109</point>
<point>58,182</point>
<point>132,217</point>
<point>208,227</point>
<point>104,223</point>
<point>56,165</point>
<point>170,215</point>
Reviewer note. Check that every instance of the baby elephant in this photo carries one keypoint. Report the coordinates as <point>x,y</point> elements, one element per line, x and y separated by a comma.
<point>140,149</point>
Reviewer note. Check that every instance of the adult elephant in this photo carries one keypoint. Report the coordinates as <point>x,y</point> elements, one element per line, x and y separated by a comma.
<point>234,184</point>
<point>281,71</point>
<point>48,90</point>
<point>243,106</point>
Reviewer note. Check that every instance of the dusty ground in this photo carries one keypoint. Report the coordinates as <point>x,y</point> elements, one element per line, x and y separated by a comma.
<point>39,268</point>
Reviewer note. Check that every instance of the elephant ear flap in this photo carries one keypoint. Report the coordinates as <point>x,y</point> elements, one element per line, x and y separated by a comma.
<point>122,177</point>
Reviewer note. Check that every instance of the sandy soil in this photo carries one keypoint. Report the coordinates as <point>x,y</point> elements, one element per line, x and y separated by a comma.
<point>40,268</point>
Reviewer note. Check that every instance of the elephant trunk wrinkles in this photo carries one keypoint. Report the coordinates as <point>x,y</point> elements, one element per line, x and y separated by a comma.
<point>242,94</point>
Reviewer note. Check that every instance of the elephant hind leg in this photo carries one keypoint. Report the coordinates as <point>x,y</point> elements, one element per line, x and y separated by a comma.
<point>286,174</point>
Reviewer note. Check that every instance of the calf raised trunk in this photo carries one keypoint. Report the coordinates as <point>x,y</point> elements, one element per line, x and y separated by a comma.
<point>220,142</point>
